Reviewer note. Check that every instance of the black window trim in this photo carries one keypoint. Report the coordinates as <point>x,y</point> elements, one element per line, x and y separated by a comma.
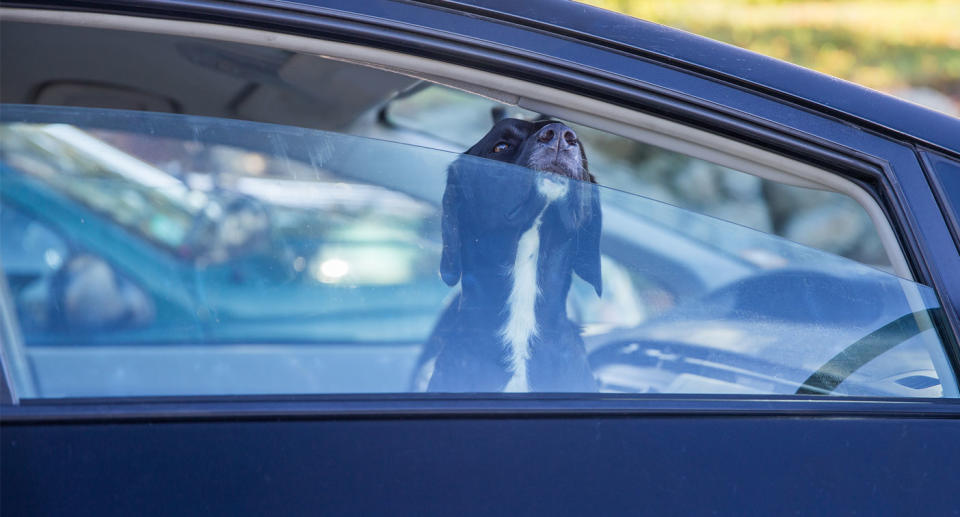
<point>434,406</point>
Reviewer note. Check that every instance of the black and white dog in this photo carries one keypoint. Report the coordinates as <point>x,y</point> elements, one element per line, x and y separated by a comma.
<point>512,239</point>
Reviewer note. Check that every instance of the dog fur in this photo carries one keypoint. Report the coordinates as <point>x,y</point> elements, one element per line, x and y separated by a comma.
<point>512,240</point>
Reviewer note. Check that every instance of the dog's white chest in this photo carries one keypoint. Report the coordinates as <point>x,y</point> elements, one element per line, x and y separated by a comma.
<point>521,324</point>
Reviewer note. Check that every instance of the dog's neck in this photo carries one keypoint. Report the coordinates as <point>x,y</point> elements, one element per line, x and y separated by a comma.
<point>523,323</point>
<point>524,286</point>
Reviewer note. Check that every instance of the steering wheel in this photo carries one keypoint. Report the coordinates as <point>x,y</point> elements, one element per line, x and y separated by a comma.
<point>850,359</point>
<point>727,366</point>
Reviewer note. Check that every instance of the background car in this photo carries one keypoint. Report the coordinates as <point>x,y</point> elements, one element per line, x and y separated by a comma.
<point>225,237</point>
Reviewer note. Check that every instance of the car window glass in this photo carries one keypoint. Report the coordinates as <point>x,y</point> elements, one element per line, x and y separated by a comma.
<point>306,261</point>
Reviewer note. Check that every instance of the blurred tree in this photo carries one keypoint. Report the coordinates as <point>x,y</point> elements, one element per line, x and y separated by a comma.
<point>909,48</point>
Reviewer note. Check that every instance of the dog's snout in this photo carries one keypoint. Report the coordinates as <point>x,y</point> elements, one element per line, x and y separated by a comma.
<point>558,135</point>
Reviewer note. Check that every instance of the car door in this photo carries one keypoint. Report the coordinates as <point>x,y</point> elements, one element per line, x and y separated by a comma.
<point>213,436</point>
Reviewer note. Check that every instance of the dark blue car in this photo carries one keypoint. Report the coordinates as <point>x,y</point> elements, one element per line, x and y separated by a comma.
<point>222,226</point>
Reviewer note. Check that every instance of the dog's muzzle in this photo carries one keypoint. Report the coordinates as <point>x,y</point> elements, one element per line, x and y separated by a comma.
<point>555,148</point>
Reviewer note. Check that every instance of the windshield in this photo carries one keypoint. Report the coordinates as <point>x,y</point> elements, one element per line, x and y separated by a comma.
<point>150,254</point>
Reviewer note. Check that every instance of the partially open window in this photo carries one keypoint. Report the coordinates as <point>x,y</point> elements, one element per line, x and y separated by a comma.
<point>270,222</point>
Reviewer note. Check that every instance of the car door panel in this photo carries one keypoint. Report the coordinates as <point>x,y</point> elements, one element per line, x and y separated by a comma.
<point>565,464</point>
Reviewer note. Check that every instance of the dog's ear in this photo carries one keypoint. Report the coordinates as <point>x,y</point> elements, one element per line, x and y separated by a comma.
<point>586,210</point>
<point>450,268</point>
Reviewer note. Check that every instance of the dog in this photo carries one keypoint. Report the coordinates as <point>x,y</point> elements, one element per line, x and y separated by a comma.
<point>512,239</point>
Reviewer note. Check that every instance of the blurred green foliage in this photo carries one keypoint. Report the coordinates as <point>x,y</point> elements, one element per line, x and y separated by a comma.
<point>888,45</point>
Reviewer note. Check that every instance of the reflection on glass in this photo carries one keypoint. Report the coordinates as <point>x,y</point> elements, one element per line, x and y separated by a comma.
<point>247,258</point>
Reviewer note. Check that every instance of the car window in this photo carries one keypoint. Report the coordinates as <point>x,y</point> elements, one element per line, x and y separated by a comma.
<point>185,255</point>
<point>225,218</point>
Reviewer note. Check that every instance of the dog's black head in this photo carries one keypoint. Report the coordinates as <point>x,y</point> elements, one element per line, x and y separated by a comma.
<point>546,145</point>
<point>480,200</point>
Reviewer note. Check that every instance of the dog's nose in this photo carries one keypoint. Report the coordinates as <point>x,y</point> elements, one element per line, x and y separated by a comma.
<point>557,135</point>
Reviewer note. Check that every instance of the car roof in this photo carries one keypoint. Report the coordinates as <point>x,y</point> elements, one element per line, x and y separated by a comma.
<point>769,75</point>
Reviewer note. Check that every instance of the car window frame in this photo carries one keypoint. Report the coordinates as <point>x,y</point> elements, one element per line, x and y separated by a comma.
<point>871,171</point>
